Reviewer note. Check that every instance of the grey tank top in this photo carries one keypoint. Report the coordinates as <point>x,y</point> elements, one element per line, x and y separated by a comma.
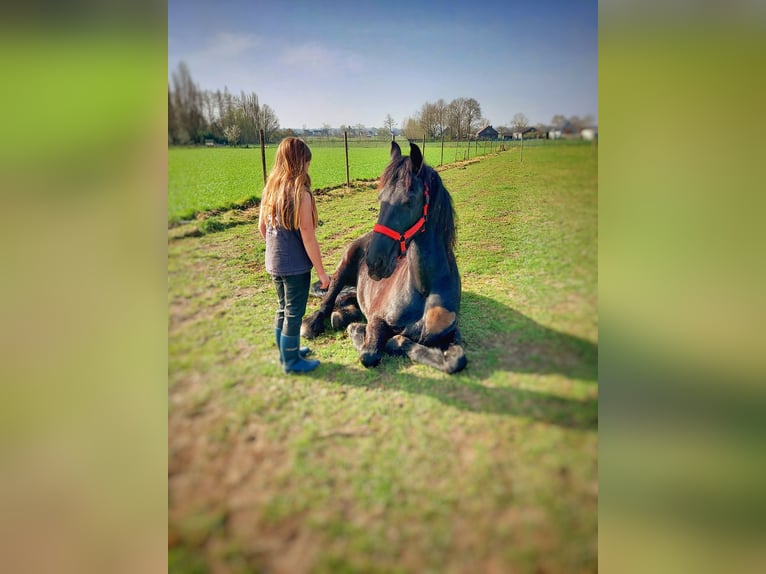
<point>285,253</point>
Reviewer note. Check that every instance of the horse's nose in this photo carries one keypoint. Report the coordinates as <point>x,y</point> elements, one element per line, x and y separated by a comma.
<point>374,265</point>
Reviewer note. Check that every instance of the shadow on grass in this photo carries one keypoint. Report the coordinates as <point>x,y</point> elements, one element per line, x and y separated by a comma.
<point>497,339</point>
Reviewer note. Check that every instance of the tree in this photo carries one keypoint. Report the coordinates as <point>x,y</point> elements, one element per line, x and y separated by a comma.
<point>172,119</point>
<point>187,103</point>
<point>389,124</point>
<point>558,121</point>
<point>232,134</point>
<point>463,116</point>
<point>250,117</point>
<point>519,122</point>
<point>429,120</point>
<point>412,129</point>
<point>473,116</point>
<point>440,115</point>
<point>269,121</point>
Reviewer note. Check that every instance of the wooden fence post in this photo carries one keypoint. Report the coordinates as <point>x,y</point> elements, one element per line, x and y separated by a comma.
<point>345,141</point>
<point>263,156</point>
<point>521,151</point>
<point>441,160</point>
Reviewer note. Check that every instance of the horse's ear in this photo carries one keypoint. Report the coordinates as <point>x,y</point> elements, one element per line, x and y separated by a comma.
<point>396,151</point>
<point>416,157</point>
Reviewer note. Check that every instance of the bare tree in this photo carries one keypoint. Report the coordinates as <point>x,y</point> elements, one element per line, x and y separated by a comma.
<point>440,113</point>
<point>429,120</point>
<point>558,121</point>
<point>187,104</point>
<point>250,118</point>
<point>473,116</point>
<point>231,133</point>
<point>413,129</point>
<point>389,124</point>
<point>172,119</point>
<point>519,122</point>
<point>269,121</point>
<point>463,116</point>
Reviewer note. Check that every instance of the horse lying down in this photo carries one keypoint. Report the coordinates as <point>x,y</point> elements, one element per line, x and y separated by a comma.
<point>402,276</point>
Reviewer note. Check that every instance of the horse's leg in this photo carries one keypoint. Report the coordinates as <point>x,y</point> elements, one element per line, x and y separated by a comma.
<point>345,275</point>
<point>344,315</point>
<point>369,340</point>
<point>450,361</point>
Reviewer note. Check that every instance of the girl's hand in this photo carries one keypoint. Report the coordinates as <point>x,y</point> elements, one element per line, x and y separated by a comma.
<point>324,280</point>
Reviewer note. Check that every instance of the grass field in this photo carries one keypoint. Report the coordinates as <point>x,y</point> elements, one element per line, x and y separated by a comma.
<point>201,179</point>
<point>399,468</point>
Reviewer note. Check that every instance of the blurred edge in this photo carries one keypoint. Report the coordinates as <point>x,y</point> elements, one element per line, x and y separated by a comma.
<point>83,417</point>
<point>681,279</point>
<point>83,306</point>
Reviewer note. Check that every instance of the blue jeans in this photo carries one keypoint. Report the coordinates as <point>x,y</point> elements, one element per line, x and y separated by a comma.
<point>293,294</point>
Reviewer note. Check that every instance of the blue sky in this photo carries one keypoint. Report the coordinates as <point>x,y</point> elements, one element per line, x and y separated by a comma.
<point>339,62</point>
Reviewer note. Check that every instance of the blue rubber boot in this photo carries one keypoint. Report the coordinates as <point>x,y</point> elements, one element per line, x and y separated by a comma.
<point>303,351</point>
<point>293,362</point>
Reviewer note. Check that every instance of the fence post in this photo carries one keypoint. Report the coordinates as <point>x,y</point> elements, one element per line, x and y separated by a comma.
<point>263,156</point>
<point>468,140</point>
<point>521,151</point>
<point>441,160</point>
<point>424,145</point>
<point>345,142</point>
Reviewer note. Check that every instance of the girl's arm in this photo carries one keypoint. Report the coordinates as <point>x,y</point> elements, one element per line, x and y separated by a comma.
<point>262,222</point>
<point>310,242</point>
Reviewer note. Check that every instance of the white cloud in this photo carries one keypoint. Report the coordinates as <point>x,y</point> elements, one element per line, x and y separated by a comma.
<point>229,44</point>
<point>314,56</point>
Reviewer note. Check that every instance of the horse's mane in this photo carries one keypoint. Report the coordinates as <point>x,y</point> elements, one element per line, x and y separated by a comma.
<point>441,212</point>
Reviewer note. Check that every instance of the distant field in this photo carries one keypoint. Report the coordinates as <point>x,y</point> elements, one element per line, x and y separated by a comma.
<point>200,179</point>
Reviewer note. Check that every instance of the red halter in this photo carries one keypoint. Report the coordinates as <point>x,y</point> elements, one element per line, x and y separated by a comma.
<point>403,238</point>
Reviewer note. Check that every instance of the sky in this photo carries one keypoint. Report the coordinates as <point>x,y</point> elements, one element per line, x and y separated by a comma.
<point>353,62</point>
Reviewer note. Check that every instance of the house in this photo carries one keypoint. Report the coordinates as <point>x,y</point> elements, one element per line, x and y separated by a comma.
<point>487,133</point>
<point>528,133</point>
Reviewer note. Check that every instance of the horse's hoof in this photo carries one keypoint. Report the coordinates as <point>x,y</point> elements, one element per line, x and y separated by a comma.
<point>398,345</point>
<point>313,325</point>
<point>455,359</point>
<point>356,332</point>
<point>336,320</point>
<point>370,359</point>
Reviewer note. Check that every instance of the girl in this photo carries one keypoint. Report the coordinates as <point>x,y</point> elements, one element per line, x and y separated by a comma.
<point>287,221</point>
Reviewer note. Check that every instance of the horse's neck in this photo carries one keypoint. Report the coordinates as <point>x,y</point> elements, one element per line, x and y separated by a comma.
<point>423,259</point>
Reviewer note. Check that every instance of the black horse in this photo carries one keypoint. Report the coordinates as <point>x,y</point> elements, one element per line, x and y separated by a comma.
<point>402,276</point>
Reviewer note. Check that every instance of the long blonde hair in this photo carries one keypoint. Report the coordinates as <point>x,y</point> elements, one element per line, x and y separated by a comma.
<point>288,180</point>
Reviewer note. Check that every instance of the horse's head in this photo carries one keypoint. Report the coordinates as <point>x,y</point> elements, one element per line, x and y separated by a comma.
<point>403,195</point>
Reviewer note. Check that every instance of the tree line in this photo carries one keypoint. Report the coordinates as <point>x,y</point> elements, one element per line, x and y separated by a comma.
<point>196,115</point>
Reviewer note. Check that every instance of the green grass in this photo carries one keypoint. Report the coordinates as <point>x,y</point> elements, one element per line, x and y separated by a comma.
<point>203,179</point>
<point>399,468</point>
